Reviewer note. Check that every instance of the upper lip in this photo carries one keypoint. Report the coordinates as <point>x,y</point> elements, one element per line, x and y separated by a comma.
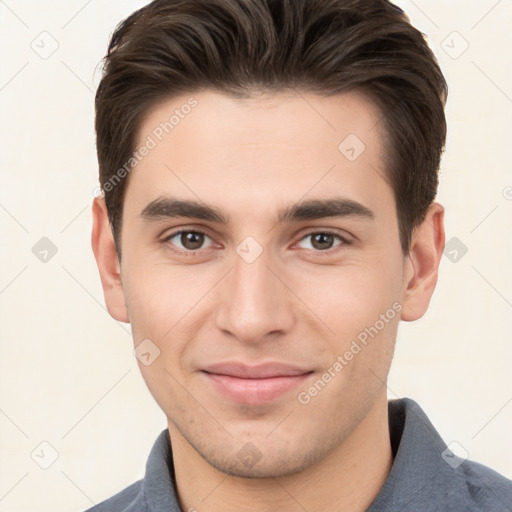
<point>259,371</point>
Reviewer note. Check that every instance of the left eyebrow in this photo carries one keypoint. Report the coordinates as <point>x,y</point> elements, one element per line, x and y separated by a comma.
<point>168,207</point>
<point>319,209</point>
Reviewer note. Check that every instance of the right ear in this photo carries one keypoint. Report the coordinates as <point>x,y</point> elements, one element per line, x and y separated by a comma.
<point>105,252</point>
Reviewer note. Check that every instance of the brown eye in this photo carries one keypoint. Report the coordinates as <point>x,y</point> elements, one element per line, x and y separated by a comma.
<point>189,240</point>
<point>323,241</point>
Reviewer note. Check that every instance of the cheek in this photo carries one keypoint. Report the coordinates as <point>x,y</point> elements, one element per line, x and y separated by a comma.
<point>350,298</point>
<point>158,300</point>
<point>159,297</point>
<point>167,305</point>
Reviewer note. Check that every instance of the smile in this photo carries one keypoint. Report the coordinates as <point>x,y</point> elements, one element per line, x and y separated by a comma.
<point>254,384</point>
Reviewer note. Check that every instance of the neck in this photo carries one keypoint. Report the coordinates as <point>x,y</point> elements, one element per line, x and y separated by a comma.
<point>348,479</point>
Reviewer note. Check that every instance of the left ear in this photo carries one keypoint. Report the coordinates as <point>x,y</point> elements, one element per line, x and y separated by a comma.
<point>422,264</point>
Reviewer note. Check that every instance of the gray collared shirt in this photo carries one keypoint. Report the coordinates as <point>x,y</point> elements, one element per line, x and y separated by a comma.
<point>425,477</point>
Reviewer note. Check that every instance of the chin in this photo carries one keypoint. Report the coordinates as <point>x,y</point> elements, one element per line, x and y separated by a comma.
<point>269,462</point>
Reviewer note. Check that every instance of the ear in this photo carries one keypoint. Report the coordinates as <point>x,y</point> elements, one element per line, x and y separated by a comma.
<point>422,264</point>
<point>104,249</point>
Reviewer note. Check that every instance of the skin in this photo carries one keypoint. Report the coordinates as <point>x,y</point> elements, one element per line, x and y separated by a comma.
<point>249,158</point>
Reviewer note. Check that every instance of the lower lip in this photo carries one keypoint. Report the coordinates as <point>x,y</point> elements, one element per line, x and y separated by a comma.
<point>254,391</point>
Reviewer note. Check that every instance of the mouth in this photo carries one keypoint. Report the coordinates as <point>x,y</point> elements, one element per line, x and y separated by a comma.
<point>258,384</point>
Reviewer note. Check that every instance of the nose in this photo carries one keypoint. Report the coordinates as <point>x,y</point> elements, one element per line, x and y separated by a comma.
<point>255,301</point>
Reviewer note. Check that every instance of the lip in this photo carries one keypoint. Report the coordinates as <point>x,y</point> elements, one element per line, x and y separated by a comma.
<point>257,384</point>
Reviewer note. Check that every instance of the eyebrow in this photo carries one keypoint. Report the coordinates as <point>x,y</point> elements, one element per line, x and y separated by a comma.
<point>339,207</point>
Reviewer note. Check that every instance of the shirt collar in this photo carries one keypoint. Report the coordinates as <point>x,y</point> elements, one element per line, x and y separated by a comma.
<point>419,468</point>
<point>418,465</point>
<point>159,484</point>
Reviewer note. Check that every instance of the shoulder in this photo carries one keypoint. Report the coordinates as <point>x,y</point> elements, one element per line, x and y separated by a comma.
<point>128,500</point>
<point>427,476</point>
<point>482,488</point>
<point>153,492</point>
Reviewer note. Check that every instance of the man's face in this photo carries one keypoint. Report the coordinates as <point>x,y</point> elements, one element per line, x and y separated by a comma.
<point>251,316</point>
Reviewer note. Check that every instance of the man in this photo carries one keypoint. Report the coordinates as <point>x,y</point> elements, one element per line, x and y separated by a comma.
<point>269,170</point>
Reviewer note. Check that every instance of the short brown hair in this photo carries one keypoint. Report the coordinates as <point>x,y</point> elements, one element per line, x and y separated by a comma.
<point>173,47</point>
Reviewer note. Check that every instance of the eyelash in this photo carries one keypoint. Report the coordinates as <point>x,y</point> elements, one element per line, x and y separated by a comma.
<point>189,253</point>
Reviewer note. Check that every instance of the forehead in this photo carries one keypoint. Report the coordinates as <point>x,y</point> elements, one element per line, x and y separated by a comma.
<point>264,118</point>
<point>248,153</point>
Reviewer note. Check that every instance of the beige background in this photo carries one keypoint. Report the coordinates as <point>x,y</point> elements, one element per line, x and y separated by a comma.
<point>67,373</point>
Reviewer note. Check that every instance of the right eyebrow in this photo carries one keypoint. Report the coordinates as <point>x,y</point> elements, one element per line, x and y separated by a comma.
<point>166,207</point>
